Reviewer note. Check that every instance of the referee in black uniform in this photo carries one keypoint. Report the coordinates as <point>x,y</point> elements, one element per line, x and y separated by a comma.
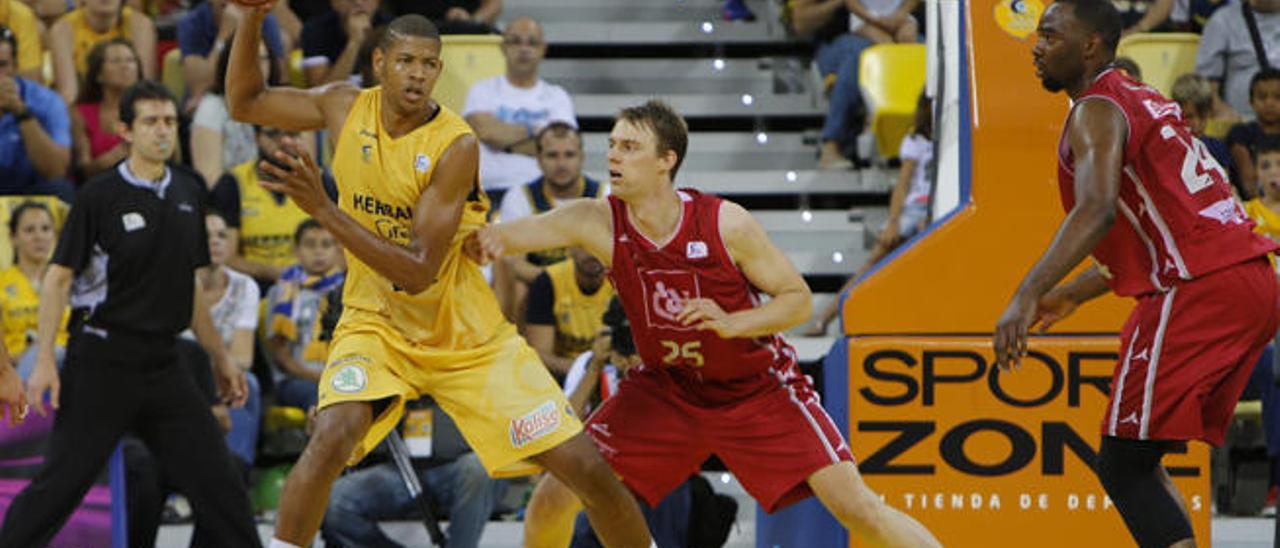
<point>126,259</point>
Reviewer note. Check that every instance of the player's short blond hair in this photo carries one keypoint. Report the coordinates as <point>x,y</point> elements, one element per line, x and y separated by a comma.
<point>668,127</point>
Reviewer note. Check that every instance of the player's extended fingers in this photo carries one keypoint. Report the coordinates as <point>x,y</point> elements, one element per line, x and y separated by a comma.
<point>689,312</point>
<point>275,171</point>
<point>1022,340</point>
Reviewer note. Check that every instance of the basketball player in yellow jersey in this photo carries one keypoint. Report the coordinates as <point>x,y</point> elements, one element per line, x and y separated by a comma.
<point>419,317</point>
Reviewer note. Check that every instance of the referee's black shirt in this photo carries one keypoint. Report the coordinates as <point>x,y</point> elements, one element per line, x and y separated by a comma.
<point>134,246</point>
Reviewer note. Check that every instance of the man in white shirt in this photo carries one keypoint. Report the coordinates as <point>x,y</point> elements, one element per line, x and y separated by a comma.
<point>507,111</point>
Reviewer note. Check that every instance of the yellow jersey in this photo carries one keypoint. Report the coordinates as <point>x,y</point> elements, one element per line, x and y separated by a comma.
<point>85,37</point>
<point>1266,221</point>
<point>26,31</point>
<point>266,225</point>
<point>380,179</point>
<point>579,316</point>
<point>19,312</point>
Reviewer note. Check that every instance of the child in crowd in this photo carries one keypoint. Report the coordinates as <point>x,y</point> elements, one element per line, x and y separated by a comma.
<point>1265,209</point>
<point>908,207</point>
<point>1194,95</point>
<point>1245,138</point>
<point>296,304</point>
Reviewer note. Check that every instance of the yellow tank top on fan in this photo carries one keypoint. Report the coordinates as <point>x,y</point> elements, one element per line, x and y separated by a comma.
<point>579,316</point>
<point>85,37</point>
<point>19,312</point>
<point>380,180</point>
<point>266,225</point>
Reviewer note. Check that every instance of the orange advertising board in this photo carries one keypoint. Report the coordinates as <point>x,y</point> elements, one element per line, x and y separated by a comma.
<point>984,457</point>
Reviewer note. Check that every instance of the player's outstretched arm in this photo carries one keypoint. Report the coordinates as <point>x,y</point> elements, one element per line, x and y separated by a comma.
<point>413,266</point>
<point>1096,132</point>
<point>768,269</point>
<point>584,223</point>
<point>251,100</point>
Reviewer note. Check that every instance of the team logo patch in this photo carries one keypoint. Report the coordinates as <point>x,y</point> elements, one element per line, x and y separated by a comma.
<point>665,292</point>
<point>350,379</point>
<point>1018,17</point>
<point>133,221</point>
<point>696,250</point>
<point>422,163</point>
<point>535,424</point>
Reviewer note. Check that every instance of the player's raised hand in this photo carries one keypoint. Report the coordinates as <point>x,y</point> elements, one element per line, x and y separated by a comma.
<point>293,172</point>
<point>1010,341</point>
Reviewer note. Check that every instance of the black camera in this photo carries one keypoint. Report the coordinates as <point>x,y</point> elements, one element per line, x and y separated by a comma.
<point>620,329</point>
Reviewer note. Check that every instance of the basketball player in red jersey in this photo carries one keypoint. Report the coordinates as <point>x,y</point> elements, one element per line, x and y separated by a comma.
<point>717,377</point>
<point>1154,209</point>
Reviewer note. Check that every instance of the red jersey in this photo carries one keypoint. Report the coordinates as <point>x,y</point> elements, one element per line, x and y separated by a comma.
<point>1176,217</point>
<point>654,279</point>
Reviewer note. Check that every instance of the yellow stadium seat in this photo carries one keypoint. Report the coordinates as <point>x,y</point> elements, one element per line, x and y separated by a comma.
<point>1162,56</point>
<point>297,78</point>
<point>467,60</point>
<point>1248,409</point>
<point>891,76</point>
<point>8,204</point>
<point>171,73</point>
<point>280,417</point>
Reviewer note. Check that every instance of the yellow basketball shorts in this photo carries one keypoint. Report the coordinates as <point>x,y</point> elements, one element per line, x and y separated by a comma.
<point>500,395</point>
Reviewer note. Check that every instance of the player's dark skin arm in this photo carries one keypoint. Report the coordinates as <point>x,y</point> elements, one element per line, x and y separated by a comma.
<point>1097,133</point>
<point>411,267</point>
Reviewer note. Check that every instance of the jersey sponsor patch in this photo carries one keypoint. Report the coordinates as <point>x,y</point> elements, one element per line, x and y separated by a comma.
<point>535,424</point>
<point>696,250</point>
<point>422,163</point>
<point>133,221</point>
<point>350,376</point>
<point>350,379</point>
<point>665,292</point>
<point>1225,211</point>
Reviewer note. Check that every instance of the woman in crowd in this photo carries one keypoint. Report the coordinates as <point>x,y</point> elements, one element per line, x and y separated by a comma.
<point>233,305</point>
<point>113,67</point>
<point>32,234</point>
<point>77,32</point>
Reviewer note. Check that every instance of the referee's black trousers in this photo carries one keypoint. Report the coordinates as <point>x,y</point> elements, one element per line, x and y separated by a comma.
<point>131,383</point>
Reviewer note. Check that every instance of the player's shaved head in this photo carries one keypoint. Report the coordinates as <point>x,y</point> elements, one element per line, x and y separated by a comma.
<point>1097,16</point>
<point>408,25</point>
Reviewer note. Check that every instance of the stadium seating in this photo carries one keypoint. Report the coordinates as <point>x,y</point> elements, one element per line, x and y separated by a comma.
<point>892,76</point>
<point>1162,56</point>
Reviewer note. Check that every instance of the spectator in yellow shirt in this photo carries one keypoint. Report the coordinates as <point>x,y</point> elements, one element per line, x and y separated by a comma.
<point>26,29</point>
<point>1265,209</point>
<point>75,34</point>
<point>32,233</point>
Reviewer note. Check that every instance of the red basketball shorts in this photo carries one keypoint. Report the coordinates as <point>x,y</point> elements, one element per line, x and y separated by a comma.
<point>772,440</point>
<point>1187,354</point>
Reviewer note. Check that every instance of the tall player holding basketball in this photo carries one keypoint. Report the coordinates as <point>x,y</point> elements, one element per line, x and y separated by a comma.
<point>717,377</point>
<point>1157,214</point>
